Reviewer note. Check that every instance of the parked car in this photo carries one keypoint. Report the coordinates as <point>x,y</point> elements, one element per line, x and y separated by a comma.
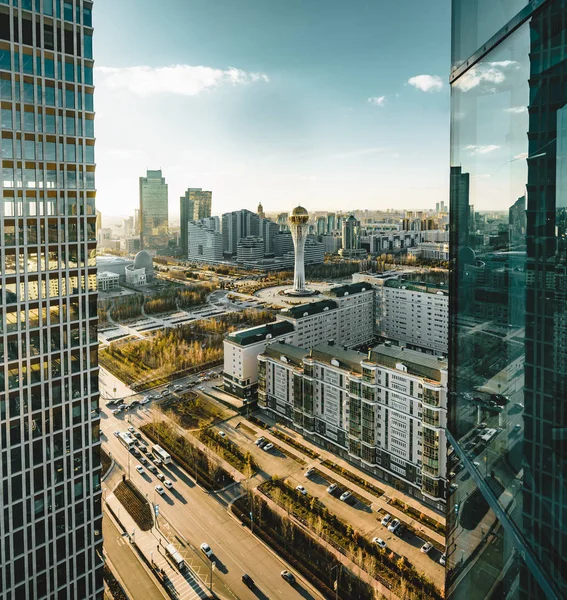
<point>443,559</point>
<point>289,577</point>
<point>143,449</point>
<point>453,487</point>
<point>268,447</point>
<point>346,495</point>
<point>386,520</point>
<point>206,549</point>
<point>222,433</point>
<point>143,460</point>
<point>152,469</point>
<point>259,441</point>
<point>309,472</point>
<point>248,581</point>
<point>332,488</point>
<point>168,484</point>
<point>160,476</point>
<point>140,469</point>
<point>165,393</point>
<point>426,548</point>
<point>393,525</point>
<point>379,542</point>
<point>131,429</point>
<point>301,490</point>
<point>160,490</point>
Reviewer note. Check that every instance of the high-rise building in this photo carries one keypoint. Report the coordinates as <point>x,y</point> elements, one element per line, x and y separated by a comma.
<point>261,212</point>
<point>507,533</point>
<point>283,221</point>
<point>250,251</point>
<point>321,225</point>
<point>331,222</point>
<point>50,523</point>
<point>205,241</point>
<point>237,225</point>
<point>194,205</point>
<point>351,235</point>
<point>298,227</point>
<point>268,232</point>
<point>154,220</point>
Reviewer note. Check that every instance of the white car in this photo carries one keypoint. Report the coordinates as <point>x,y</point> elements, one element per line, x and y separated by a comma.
<point>453,487</point>
<point>301,490</point>
<point>206,549</point>
<point>309,472</point>
<point>116,433</point>
<point>393,525</point>
<point>168,484</point>
<point>140,469</point>
<point>222,433</point>
<point>259,441</point>
<point>268,447</point>
<point>160,490</point>
<point>443,559</point>
<point>379,542</point>
<point>165,393</point>
<point>345,496</point>
<point>386,520</point>
<point>131,429</point>
<point>426,548</point>
<point>332,488</point>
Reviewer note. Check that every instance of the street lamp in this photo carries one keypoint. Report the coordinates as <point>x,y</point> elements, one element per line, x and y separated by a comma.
<point>213,565</point>
<point>336,582</point>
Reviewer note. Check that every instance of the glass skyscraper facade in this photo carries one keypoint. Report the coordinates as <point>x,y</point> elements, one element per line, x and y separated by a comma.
<point>50,519</point>
<point>507,519</point>
<point>154,215</point>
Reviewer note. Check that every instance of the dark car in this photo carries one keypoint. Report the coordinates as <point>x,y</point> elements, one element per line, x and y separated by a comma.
<point>289,577</point>
<point>143,449</point>
<point>248,581</point>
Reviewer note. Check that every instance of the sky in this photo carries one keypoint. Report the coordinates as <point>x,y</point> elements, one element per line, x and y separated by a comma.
<point>332,104</point>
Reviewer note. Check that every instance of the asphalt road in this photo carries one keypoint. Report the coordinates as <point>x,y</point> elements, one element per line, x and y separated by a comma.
<point>135,578</point>
<point>199,517</point>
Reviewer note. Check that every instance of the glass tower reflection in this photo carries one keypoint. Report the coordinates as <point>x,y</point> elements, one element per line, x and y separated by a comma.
<point>508,323</point>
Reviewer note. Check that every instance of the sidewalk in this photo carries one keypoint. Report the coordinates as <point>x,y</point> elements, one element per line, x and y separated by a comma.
<point>152,544</point>
<point>377,502</point>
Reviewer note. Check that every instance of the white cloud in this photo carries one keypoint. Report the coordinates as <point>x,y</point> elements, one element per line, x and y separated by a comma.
<point>516,110</point>
<point>427,83</point>
<point>185,80</point>
<point>491,72</point>
<point>377,100</point>
<point>481,149</point>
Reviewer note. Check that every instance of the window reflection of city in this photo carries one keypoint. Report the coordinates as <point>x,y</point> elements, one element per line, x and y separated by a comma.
<point>509,305</point>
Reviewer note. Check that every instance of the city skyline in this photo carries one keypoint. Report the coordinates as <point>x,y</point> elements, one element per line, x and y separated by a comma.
<point>256,117</point>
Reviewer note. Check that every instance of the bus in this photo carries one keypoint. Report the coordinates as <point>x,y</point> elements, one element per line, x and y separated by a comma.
<point>161,454</point>
<point>127,440</point>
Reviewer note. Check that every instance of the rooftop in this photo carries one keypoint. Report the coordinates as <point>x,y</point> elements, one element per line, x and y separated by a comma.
<point>306,310</point>
<point>417,286</point>
<point>347,359</point>
<point>417,363</point>
<point>349,289</point>
<point>293,354</point>
<point>246,337</point>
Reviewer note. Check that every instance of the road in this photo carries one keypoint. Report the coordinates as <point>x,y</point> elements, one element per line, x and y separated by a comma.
<point>199,517</point>
<point>135,577</point>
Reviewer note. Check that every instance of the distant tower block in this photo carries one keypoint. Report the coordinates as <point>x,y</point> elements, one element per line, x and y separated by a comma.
<point>299,229</point>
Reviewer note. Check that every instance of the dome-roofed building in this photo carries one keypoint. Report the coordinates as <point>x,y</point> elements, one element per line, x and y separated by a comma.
<point>142,271</point>
<point>144,260</point>
<point>299,215</point>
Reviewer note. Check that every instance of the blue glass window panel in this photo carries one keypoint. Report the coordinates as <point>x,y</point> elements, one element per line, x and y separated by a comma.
<point>87,17</point>
<point>80,127</point>
<point>6,118</point>
<point>5,60</point>
<point>50,96</point>
<point>89,154</point>
<point>88,41</point>
<point>70,125</point>
<point>89,102</point>
<point>38,65</point>
<point>49,68</point>
<point>29,149</point>
<point>89,75</point>
<point>80,153</point>
<point>50,153</point>
<point>71,179</point>
<point>69,71</point>
<point>89,128</point>
<point>59,69</point>
<point>60,124</point>
<point>27,64</point>
<point>58,9</point>
<point>70,98</point>
<point>29,121</point>
<point>79,100</point>
<point>7,148</point>
<point>27,4</point>
<point>16,61</point>
<point>71,153</point>
<point>5,89</point>
<point>68,11</point>
<point>38,90</point>
<point>49,123</point>
<point>39,124</point>
<point>48,7</point>
<point>60,151</point>
<point>28,93</point>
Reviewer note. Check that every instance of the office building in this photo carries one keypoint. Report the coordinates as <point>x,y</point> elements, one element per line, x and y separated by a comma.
<point>332,242</point>
<point>51,522</point>
<point>331,222</point>
<point>269,231</point>
<point>351,237</point>
<point>459,187</point>
<point>107,281</point>
<point>283,243</point>
<point>237,225</point>
<point>507,534</point>
<point>346,316</point>
<point>321,225</point>
<point>205,241</point>
<point>261,212</point>
<point>154,220</point>
<point>283,221</point>
<point>194,205</point>
<point>250,251</point>
<point>385,411</point>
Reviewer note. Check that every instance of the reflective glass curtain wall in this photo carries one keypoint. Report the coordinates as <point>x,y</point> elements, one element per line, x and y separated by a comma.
<point>50,507</point>
<point>507,519</point>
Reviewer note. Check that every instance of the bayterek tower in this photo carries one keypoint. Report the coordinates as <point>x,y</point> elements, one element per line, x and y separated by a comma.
<point>299,228</point>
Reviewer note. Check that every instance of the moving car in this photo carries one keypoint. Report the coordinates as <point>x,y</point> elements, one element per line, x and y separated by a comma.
<point>248,581</point>
<point>301,490</point>
<point>309,472</point>
<point>168,484</point>
<point>393,525</point>
<point>143,449</point>
<point>426,548</point>
<point>160,476</point>
<point>379,542</point>
<point>289,577</point>
<point>386,520</point>
<point>206,549</point>
<point>268,447</point>
<point>140,469</point>
<point>143,460</point>
<point>346,495</point>
<point>332,488</point>
<point>116,433</point>
<point>160,490</point>
<point>152,469</point>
